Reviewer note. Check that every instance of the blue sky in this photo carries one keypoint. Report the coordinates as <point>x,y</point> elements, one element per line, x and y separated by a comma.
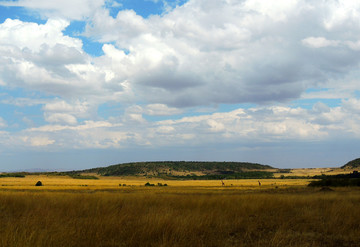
<point>87,83</point>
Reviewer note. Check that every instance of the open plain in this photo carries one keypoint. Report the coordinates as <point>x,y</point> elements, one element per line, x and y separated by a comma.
<point>100,212</point>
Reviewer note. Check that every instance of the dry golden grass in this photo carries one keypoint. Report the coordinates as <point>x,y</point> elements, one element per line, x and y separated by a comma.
<point>112,183</point>
<point>186,213</point>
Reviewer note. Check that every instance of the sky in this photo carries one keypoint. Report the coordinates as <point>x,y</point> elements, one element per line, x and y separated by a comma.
<point>90,83</point>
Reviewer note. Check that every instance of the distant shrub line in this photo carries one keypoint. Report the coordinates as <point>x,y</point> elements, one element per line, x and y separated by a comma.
<point>340,180</point>
<point>158,184</point>
<point>336,182</point>
<point>241,175</point>
<point>12,175</point>
<point>79,176</point>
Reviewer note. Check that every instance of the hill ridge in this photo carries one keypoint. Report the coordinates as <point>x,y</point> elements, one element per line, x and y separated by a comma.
<point>352,164</point>
<point>177,168</point>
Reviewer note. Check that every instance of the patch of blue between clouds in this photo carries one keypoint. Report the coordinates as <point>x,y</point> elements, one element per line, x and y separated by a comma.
<point>309,103</point>
<point>107,110</point>
<point>19,13</point>
<point>146,8</point>
<point>91,47</point>
<point>201,111</point>
<point>20,116</point>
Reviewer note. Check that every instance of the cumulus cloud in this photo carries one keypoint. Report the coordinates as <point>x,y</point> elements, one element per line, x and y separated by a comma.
<point>60,118</point>
<point>32,36</point>
<point>200,54</point>
<point>40,58</point>
<point>241,126</point>
<point>76,108</point>
<point>161,110</point>
<point>318,42</point>
<point>37,141</point>
<point>229,52</point>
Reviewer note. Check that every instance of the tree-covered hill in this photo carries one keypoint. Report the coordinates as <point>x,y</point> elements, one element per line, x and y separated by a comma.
<point>352,164</point>
<point>178,168</point>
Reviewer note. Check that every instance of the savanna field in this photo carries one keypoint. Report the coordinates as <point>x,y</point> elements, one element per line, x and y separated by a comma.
<point>78,212</point>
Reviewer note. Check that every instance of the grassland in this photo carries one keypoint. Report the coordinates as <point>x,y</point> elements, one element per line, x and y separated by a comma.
<point>76,212</point>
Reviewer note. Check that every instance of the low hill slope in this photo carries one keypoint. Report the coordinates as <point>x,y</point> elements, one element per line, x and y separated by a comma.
<point>178,168</point>
<point>352,164</point>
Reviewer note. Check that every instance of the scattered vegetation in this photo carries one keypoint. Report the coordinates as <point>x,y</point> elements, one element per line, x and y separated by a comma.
<point>13,175</point>
<point>79,176</point>
<point>240,175</point>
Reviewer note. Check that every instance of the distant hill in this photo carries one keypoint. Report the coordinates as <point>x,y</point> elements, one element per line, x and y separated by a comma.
<point>181,169</point>
<point>352,164</point>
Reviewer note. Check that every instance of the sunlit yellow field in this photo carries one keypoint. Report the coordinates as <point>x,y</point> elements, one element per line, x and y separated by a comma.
<point>77,212</point>
<point>113,183</point>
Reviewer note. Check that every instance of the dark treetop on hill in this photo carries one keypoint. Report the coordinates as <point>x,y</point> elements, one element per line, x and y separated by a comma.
<point>352,164</point>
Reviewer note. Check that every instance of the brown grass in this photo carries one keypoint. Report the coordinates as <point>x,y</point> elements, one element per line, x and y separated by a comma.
<point>64,183</point>
<point>198,215</point>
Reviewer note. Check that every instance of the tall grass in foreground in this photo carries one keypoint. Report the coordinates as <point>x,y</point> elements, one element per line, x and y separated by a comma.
<point>180,218</point>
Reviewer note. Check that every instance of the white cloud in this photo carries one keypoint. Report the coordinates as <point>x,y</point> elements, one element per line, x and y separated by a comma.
<point>161,110</point>
<point>39,57</point>
<point>73,110</point>
<point>32,36</point>
<point>341,13</point>
<point>60,118</point>
<point>201,54</point>
<point>38,141</point>
<point>225,51</point>
<point>352,105</point>
<point>241,126</point>
<point>276,10</point>
<point>319,42</point>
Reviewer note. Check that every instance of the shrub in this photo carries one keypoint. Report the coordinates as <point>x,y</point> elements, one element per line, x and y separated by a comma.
<point>39,183</point>
<point>336,182</point>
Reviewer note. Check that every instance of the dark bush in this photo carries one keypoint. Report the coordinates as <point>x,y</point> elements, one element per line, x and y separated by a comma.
<point>39,183</point>
<point>336,182</point>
